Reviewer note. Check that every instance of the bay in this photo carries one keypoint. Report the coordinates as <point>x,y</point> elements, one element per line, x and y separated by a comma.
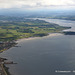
<point>44,56</point>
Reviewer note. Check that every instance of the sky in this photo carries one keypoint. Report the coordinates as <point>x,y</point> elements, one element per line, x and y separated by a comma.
<point>37,4</point>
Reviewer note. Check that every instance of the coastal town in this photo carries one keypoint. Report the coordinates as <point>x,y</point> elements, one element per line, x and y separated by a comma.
<point>6,45</point>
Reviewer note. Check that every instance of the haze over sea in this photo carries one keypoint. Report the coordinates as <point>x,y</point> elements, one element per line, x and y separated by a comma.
<point>44,56</point>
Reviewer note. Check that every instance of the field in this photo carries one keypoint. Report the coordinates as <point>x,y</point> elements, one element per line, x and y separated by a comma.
<point>13,28</point>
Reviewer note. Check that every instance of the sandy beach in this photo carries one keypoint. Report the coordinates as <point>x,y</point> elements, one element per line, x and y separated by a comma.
<point>32,38</point>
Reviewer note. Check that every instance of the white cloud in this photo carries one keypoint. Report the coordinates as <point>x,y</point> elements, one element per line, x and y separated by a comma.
<point>35,3</point>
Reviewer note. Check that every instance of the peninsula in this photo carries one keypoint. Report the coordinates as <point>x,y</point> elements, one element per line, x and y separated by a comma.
<point>14,28</point>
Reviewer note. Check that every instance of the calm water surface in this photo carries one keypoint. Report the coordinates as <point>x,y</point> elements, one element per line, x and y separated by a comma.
<point>44,56</point>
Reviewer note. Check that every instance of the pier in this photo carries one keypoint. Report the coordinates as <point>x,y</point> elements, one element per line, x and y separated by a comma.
<point>3,68</point>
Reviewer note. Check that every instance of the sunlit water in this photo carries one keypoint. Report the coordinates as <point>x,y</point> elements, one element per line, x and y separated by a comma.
<point>44,56</point>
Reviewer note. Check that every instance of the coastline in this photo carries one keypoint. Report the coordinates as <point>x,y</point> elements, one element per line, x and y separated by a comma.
<point>5,69</point>
<point>32,38</point>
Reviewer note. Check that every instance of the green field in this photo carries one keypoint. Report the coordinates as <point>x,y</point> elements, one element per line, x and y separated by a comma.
<point>13,30</point>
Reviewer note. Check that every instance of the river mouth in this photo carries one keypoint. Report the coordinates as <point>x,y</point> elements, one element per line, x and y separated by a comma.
<point>44,56</point>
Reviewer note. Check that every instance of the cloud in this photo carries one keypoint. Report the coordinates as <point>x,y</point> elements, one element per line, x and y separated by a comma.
<point>35,3</point>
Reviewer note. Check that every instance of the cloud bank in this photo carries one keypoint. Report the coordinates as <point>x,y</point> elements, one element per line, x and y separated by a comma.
<point>36,3</point>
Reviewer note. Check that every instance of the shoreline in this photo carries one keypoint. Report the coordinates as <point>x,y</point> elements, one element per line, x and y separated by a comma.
<point>32,38</point>
<point>35,38</point>
<point>5,69</point>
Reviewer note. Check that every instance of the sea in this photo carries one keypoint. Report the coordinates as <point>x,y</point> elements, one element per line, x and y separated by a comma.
<point>53,55</point>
